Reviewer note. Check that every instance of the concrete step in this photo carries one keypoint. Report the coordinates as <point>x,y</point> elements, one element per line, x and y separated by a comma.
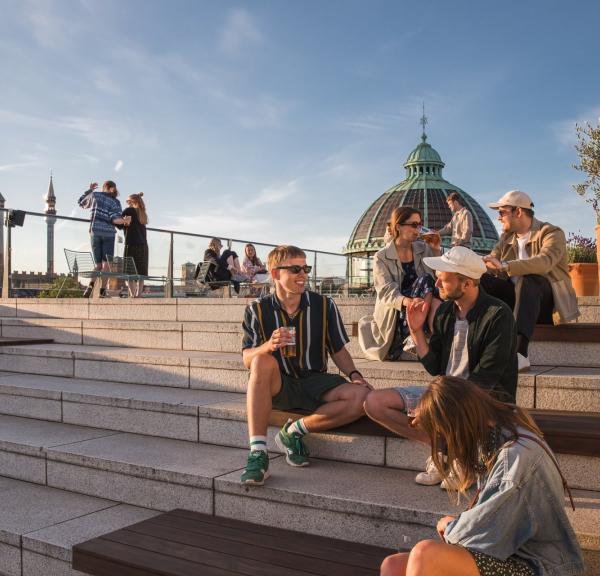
<point>39,526</point>
<point>549,387</point>
<point>355,502</point>
<point>224,336</point>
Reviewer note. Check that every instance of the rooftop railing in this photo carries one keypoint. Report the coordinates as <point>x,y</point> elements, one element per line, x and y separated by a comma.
<point>173,255</point>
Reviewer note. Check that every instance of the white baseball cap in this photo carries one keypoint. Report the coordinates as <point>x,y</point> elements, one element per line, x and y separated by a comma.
<point>514,198</point>
<point>459,260</point>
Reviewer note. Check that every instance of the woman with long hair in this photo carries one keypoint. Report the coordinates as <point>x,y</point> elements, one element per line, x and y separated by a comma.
<point>105,214</point>
<point>399,276</point>
<point>252,264</point>
<point>136,244</point>
<point>516,524</point>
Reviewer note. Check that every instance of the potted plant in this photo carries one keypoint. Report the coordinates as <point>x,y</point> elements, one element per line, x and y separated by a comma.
<point>583,264</point>
<point>588,149</point>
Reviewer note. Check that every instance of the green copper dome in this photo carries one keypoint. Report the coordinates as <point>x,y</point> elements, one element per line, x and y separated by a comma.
<point>425,189</point>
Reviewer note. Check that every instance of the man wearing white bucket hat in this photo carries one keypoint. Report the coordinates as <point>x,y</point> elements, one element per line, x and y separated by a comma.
<point>528,270</point>
<point>474,337</point>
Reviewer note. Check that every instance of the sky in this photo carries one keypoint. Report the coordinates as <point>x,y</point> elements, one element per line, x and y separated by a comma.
<point>280,121</point>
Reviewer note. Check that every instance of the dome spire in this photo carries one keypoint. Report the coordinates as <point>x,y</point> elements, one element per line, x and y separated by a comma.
<point>423,123</point>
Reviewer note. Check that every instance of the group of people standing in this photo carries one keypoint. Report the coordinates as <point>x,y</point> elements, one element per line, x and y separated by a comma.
<point>106,215</point>
<point>473,340</point>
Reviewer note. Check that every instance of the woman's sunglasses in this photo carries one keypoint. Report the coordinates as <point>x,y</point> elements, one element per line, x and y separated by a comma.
<point>414,225</point>
<point>296,268</point>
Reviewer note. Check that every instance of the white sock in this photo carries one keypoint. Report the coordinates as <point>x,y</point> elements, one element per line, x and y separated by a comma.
<point>258,443</point>
<point>298,427</point>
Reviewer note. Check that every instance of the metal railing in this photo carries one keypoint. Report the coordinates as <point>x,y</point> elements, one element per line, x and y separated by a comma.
<point>28,244</point>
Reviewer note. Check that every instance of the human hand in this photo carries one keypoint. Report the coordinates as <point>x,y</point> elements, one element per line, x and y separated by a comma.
<point>360,381</point>
<point>280,338</point>
<point>416,314</point>
<point>126,220</point>
<point>442,523</point>
<point>433,239</point>
<point>492,263</point>
<point>93,186</point>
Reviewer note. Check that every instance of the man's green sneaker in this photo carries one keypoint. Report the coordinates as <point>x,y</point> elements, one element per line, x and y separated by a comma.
<point>257,468</point>
<point>292,445</point>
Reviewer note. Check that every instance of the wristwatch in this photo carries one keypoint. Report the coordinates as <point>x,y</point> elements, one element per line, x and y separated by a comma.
<point>504,266</point>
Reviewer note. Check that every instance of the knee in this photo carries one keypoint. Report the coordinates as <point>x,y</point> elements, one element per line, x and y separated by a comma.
<point>263,364</point>
<point>394,565</point>
<point>357,399</point>
<point>374,404</point>
<point>423,553</point>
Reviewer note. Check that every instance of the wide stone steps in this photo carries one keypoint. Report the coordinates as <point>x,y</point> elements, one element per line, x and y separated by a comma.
<point>210,417</point>
<point>355,502</point>
<point>546,387</point>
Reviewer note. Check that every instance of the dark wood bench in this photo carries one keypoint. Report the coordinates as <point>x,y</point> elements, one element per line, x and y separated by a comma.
<point>187,543</point>
<point>566,432</point>
<point>548,333</point>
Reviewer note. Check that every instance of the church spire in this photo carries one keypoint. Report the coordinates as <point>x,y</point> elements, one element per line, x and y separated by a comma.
<point>50,198</point>
<point>423,123</point>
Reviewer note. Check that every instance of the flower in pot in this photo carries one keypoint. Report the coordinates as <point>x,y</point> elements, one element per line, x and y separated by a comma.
<point>583,264</point>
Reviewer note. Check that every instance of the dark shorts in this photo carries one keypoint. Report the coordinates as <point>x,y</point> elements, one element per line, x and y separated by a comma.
<point>305,393</point>
<point>139,253</point>
<point>490,566</point>
<point>103,247</point>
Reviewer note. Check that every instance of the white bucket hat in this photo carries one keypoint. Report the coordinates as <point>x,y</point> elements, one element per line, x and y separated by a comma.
<point>459,260</point>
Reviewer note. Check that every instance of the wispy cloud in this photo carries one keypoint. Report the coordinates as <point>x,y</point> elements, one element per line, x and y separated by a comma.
<point>564,130</point>
<point>274,194</point>
<point>49,27</point>
<point>240,31</point>
<point>119,165</point>
<point>18,165</point>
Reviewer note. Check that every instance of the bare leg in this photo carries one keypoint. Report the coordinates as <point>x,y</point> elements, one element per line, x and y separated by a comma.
<point>140,289</point>
<point>343,404</point>
<point>432,558</point>
<point>395,565</point>
<point>264,383</point>
<point>386,407</point>
<point>105,268</point>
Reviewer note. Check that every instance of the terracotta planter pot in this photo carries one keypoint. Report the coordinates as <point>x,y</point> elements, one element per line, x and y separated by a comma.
<point>584,278</point>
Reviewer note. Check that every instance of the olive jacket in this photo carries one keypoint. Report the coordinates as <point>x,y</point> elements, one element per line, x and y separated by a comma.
<point>547,249</point>
<point>376,331</point>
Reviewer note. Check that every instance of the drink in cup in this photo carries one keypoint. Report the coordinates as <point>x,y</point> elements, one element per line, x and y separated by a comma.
<point>411,403</point>
<point>289,333</point>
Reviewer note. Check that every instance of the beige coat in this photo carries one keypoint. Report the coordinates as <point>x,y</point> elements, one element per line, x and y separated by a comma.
<point>547,248</point>
<point>376,332</point>
<point>460,227</point>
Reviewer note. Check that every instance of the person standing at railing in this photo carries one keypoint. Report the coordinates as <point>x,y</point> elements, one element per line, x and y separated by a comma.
<point>106,213</point>
<point>136,245</point>
<point>460,228</point>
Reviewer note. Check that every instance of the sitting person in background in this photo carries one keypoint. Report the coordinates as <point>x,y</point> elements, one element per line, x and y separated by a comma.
<point>216,272</point>
<point>136,245</point>
<point>528,270</point>
<point>252,265</point>
<point>400,275</point>
<point>460,228</point>
<point>516,524</point>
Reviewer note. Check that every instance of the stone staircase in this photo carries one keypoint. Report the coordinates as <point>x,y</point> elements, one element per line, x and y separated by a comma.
<point>138,406</point>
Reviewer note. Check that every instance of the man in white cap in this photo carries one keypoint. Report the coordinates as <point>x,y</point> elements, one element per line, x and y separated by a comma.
<point>528,270</point>
<point>473,337</point>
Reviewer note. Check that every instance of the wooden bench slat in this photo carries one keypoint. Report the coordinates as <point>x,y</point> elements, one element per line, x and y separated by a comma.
<point>320,542</point>
<point>278,542</point>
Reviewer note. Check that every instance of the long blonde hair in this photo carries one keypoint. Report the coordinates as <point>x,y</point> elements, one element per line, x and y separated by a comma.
<point>140,207</point>
<point>457,414</point>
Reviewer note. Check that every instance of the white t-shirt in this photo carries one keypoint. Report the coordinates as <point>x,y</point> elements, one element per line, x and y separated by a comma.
<point>458,362</point>
<point>522,241</point>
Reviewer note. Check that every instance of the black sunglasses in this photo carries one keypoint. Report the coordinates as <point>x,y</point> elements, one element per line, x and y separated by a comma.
<point>296,268</point>
<point>414,225</point>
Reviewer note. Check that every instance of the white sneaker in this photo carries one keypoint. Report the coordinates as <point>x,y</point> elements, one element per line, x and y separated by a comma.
<point>431,476</point>
<point>524,363</point>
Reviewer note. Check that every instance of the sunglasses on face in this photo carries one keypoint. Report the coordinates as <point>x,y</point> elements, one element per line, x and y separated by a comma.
<point>296,268</point>
<point>414,225</point>
<point>503,213</point>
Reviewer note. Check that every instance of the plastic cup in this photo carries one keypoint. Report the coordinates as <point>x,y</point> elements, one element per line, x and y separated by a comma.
<point>289,350</point>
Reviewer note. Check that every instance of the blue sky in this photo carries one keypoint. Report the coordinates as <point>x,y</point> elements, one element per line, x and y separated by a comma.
<point>281,121</point>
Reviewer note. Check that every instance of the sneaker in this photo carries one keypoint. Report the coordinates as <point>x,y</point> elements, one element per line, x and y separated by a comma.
<point>103,293</point>
<point>257,468</point>
<point>431,476</point>
<point>292,445</point>
<point>524,363</point>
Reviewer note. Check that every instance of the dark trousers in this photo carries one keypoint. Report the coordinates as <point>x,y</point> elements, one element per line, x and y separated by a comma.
<point>536,301</point>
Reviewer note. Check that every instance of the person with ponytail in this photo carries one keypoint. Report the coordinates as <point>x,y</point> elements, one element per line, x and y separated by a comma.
<point>516,524</point>
<point>136,245</point>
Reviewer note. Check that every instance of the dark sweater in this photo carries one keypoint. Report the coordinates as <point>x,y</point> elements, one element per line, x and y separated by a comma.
<point>135,233</point>
<point>492,345</point>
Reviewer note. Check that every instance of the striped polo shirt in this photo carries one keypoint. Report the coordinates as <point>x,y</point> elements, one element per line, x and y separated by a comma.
<point>319,331</point>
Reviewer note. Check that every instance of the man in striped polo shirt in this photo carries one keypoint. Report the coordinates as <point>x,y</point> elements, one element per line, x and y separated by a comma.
<point>283,379</point>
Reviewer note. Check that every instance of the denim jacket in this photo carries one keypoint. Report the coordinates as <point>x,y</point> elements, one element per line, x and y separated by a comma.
<point>520,511</point>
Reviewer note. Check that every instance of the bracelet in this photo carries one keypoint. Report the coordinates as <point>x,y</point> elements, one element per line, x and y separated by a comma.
<point>355,372</point>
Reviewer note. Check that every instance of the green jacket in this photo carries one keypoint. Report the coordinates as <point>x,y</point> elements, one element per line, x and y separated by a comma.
<point>492,344</point>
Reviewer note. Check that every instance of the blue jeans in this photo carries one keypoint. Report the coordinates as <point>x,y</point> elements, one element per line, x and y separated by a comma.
<point>103,247</point>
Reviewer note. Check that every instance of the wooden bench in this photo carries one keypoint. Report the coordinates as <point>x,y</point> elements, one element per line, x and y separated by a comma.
<point>566,432</point>
<point>548,333</point>
<point>187,543</point>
